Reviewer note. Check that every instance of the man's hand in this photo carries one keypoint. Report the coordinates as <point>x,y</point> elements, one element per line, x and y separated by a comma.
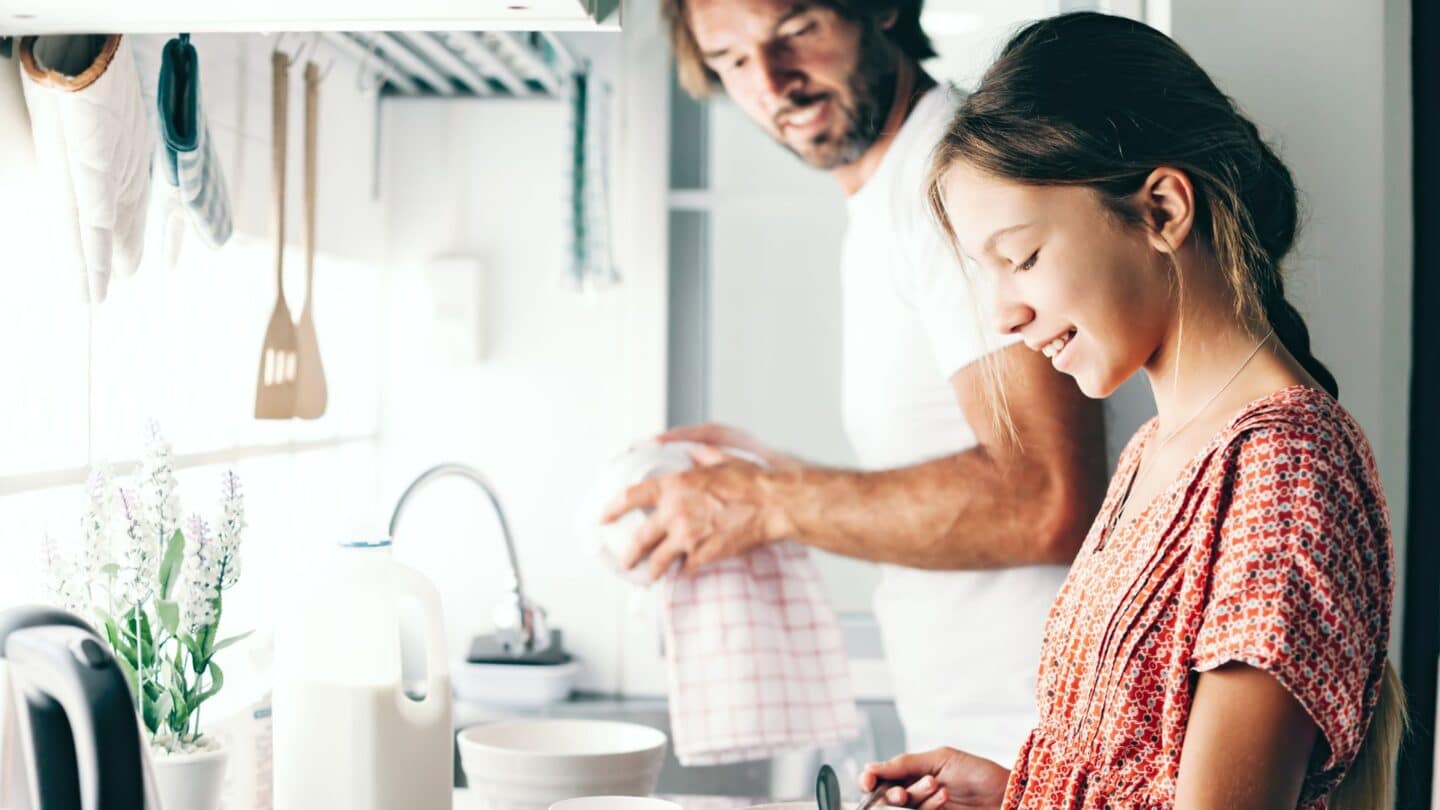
<point>723,437</point>
<point>720,509</point>
<point>943,779</point>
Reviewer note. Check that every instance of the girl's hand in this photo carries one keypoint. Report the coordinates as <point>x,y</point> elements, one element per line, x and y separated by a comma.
<point>943,779</point>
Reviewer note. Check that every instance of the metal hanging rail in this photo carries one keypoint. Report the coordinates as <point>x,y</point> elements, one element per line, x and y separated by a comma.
<point>463,63</point>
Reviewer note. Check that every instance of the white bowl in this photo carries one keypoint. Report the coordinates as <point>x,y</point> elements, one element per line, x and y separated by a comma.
<point>614,803</point>
<point>784,806</point>
<point>532,764</point>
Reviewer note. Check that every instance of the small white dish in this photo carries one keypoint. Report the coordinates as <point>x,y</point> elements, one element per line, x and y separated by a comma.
<point>514,685</point>
<point>614,803</point>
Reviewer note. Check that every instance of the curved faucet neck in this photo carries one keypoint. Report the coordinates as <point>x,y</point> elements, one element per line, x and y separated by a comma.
<point>452,469</point>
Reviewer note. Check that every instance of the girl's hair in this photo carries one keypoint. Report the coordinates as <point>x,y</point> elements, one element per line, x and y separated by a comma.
<point>1099,101</point>
<point>698,79</point>
<point>1088,99</point>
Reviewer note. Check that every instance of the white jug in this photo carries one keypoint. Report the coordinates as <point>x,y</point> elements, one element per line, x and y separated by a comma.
<point>351,729</point>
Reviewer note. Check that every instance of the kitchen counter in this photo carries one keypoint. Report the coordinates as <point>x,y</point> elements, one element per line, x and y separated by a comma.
<point>464,800</point>
<point>788,775</point>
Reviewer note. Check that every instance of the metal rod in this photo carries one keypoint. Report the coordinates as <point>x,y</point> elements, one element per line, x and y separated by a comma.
<point>365,55</point>
<point>445,59</point>
<point>478,51</point>
<point>398,53</point>
<point>528,59</point>
<point>568,63</point>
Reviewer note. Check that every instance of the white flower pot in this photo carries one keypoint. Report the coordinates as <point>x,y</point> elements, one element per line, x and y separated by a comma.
<point>190,781</point>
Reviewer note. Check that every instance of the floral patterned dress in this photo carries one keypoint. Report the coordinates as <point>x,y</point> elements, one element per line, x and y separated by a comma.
<point>1271,548</point>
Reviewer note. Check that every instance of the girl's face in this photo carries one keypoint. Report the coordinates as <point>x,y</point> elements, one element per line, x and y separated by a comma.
<point>1078,285</point>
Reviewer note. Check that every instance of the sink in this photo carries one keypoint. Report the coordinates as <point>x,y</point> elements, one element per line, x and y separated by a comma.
<point>787,776</point>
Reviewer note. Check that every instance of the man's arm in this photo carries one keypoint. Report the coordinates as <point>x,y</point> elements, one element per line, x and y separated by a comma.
<point>1000,503</point>
<point>1004,502</point>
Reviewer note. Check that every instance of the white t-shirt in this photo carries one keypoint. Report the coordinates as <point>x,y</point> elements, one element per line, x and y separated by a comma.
<point>962,645</point>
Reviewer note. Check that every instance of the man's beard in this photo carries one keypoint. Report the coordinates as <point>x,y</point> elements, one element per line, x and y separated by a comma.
<point>872,93</point>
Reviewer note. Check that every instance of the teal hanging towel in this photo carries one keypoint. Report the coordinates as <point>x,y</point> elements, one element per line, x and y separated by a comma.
<point>189,163</point>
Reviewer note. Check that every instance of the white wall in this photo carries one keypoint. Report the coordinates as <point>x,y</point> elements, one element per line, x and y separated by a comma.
<point>1331,87</point>
<point>568,380</point>
<point>181,344</point>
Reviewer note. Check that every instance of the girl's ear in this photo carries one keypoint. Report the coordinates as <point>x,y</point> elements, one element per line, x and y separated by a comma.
<point>1166,204</point>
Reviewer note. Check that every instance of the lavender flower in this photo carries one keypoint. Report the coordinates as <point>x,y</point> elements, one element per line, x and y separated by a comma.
<point>232,525</point>
<point>139,554</point>
<point>65,583</point>
<point>95,524</point>
<point>200,584</point>
<point>159,499</point>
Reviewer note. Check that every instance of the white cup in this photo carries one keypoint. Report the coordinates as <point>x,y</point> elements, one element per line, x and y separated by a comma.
<point>614,803</point>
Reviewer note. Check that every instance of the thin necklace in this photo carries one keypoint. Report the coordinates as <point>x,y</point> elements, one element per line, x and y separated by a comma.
<point>1145,468</point>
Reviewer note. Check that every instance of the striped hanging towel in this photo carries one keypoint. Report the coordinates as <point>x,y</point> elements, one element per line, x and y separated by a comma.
<point>190,164</point>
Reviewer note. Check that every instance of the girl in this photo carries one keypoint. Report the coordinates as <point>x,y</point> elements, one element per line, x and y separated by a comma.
<point>1220,641</point>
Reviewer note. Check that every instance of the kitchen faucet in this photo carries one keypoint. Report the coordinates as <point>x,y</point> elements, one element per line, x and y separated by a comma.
<point>520,625</point>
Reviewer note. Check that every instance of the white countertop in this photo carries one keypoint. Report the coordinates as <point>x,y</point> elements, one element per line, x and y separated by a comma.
<point>464,800</point>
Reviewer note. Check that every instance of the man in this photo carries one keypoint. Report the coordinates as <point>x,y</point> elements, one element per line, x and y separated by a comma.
<point>972,524</point>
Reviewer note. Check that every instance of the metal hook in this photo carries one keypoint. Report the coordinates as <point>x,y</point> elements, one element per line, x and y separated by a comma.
<point>293,57</point>
<point>370,53</point>
<point>299,52</point>
<point>315,49</point>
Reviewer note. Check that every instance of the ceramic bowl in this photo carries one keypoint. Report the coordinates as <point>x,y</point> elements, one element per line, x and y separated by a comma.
<point>532,764</point>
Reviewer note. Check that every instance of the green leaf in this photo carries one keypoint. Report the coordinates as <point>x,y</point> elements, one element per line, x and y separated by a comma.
<point>170,563</point>
<point>217,680</point>
<point>131,679</point>
<point>151,717</point>
<point>169,613</point>
<point>207,635</point>
<point>110,569</point>
<point>180,717</point>
<point>163,704</point>
<point>232,640</point>
<point>140,637</point>
<point>191,644</point>
<point>123,649</point>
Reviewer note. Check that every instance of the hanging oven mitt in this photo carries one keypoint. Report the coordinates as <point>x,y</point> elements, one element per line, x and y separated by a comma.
<point>92,151</point>
<point>189,163</point>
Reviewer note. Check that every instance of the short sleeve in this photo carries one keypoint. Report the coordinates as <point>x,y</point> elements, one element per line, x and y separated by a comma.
<point>1300,579</point>
<point>954,303</point>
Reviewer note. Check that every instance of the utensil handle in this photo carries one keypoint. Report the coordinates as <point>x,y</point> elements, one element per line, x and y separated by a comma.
<point>312,106</point>
<point>280,97</point>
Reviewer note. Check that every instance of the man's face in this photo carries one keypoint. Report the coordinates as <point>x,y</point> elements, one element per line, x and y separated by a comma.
<point>819,83</point>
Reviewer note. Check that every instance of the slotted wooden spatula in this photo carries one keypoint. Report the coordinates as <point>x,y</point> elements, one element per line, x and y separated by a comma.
<point>275,387</point>
<point>310,393</point>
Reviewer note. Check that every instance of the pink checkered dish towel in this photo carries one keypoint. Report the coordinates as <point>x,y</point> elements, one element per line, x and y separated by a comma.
<point>756,661</point>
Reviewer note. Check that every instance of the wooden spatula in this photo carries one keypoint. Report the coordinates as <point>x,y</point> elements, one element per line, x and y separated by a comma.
<point>275,387</point>
<point>310,393</point>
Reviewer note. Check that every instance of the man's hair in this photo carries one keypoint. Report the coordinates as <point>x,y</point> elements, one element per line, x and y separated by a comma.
<point>698,79</point>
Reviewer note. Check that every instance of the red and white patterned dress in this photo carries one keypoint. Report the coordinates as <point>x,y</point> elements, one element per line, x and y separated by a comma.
<point>1272,548</point>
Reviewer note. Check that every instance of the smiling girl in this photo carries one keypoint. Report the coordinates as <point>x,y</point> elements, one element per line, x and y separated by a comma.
<point>1220,641</point>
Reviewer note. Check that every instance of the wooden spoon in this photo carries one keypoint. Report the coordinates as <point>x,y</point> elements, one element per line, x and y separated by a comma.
<point>275,386</point>
<point>310,391</point>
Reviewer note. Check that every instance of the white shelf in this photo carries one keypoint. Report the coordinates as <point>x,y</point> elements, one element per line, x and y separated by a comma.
<point>18,17</point>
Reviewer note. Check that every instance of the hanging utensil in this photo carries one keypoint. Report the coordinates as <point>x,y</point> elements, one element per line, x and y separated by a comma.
<point>275,388</point>
<point>310,391</point>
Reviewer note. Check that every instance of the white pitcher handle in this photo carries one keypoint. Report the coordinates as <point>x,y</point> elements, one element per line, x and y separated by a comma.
<point>409,582</point>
